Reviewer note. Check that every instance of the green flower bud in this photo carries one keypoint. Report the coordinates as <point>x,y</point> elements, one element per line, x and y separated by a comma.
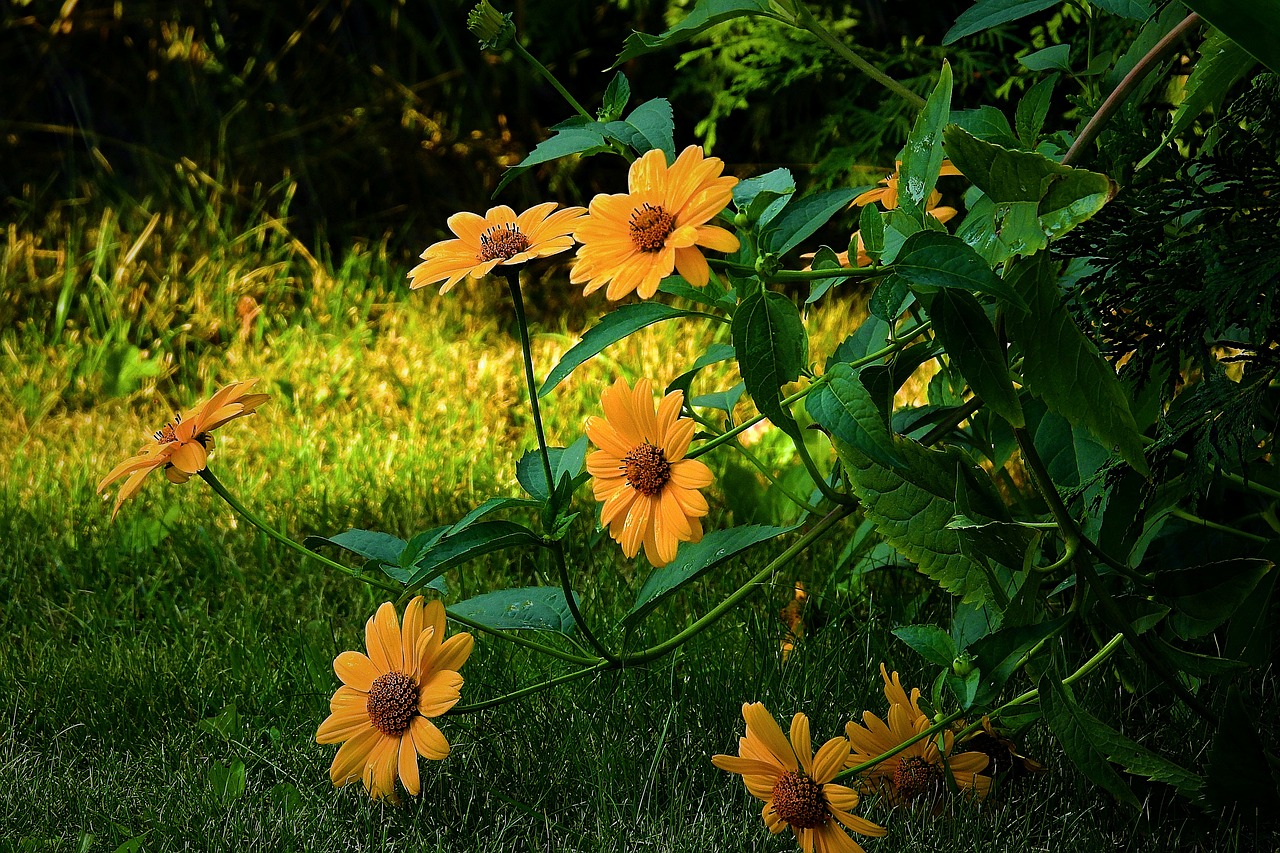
<point>494,29</point>
<point>962,665</point>
<point>767,264</point>
<point>741,220</point>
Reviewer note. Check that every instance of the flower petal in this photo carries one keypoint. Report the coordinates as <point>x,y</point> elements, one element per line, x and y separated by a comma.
<point>427,739</point>
<point>356,670</point>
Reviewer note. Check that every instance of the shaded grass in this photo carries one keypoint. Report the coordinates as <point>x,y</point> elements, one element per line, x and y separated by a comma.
<point>398,412</point>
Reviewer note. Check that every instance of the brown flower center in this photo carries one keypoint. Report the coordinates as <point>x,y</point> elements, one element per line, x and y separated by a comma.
<point>502,241</point>
<point>650,226</point>
<point>393,703</point>
<point>799,801</point>
<point>914,776</point>
<point>647,470</point>
<point>166,433</point>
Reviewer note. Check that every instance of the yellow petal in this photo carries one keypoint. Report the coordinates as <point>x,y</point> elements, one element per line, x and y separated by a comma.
<point>427,739</point>
<point>356,670</point>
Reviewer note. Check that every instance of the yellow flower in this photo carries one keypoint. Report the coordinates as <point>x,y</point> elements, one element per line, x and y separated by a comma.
<point>631,241</point>
<point>796,785</point>
<point>381,710</point>
<point>887,193</point>
<point>897,695</point>
<point>182,446</point>
<point>649,490</point>
<point>921,768</point>
<point>497,238</point>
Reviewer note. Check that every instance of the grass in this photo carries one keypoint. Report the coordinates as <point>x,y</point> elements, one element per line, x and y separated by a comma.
<point>126,644</point>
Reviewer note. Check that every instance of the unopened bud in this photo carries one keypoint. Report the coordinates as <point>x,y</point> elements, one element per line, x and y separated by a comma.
<point>494,29</point>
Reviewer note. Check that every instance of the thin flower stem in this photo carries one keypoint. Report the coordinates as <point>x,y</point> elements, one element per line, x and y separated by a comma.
<point>527,691</point>
<point>806,21</point>
<point>728,435</point>
<point>819,480</point>
<point>221,490</point>
<point>929,732</point>
<point>558,550</point>
<point>804,275</point>
<point>1126,87</point>
<point>551,78</point>
<point>760,466</point>
<point>516,640</point>
<point>817,532</point>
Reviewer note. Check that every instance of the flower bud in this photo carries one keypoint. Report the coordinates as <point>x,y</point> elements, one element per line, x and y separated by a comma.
<point>494,29</point>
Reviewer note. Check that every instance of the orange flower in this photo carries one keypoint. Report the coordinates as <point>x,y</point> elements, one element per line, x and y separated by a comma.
<point>497,238</point>
<point>887,193</point>
<point>649,490</point>
<point>921,768</point>
<point>381,710</point>
<point>631,241</point>
<point>796,785</point>
<point>897,695</point>
<point>182,446</point>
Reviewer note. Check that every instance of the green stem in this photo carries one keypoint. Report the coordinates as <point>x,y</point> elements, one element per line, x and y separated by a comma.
<point>804,275</point>
<point>551,78</point>
<point>742,592</point>
<point>513,283</point>
<point>760,466</point>
<point>221,490</point>
<point>1213,525</point>
<point>929,732</point>
<point>527,691</point>
<point>820,481</point>
<point>1251,485</point>
<point>806,21</point>
<point>516,640</point>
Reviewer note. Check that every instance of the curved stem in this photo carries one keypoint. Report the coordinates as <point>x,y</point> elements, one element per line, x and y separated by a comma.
<point>742,592</point>
<point>806,21</point>
<point>550,78</point>
<point>221,490</point>
<point>527,691</point>
<point>1126,86</point>
<point>820,481</point>
<point>513,283</point>
<point>562,565</point>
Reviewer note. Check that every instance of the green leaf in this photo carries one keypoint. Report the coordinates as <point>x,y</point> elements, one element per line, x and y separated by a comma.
<point>871,227</point>
<point>763,197</point>
<point>1070,454</point>
<point>477,540</point>
<point>1222,62</point>
<point>999,654</point>
<point>805,216</point>
<point>922,157</point>
<point>986,123</point>
<point>1253,25</point>
<point>693,560</point>
<point>489,506</point>
<point>715,353</point>
<point>1136,10</point>
<point>1037,199</point>
<point>226,723</point>
<point>1197,665</point>
<point>930,642</point>
<point>615,98</point>
<point>986,14</point>
<point>1063,368</point>
<point>1203,597</point>
<point>722,400</point>
<point>772,348</point>
<point>930,260</point>
<point>228,782</point>
<point>911,507</point>
<point>824,259</point>
<point>1249,635</point>
<point>871,335</point>
<point>369,544</point>
<point>705,14</point>
<point>532,608</point>
<point>844,407</point>
<point>965,687</point>
<point>1240,769</point>
<point>577,139</point>
<point>712,295</point>
<point>1033,108</point>
<point>971,343</point>
<point>1054,58</point>
<point>613,327</point>
<point>565,462</point>
<point>650,125</point>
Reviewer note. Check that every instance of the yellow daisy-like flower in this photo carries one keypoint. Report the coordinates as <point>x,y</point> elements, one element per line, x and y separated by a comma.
<point>796,785</point>
<point>631,241</point>
<point>897,694</point>
<point>181,447</point>
<point>500,237</point>
<point>887,193</point>
<point>383,707</point>
<point>920,769</point>
<point>649,490</point>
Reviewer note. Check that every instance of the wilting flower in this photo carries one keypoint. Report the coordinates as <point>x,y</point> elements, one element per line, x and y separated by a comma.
<point>887,193</point>
<point>181,447</point>
<point>649,490</point>
<point>497,238</point>
<point>920,769</point>
<point>631,241</point>
<point>796,785</point>
<point>383,707</point>
<point>1004,753</point>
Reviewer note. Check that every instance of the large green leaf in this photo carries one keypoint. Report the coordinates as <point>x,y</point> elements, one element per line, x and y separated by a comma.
<point>490,506</point>
<point>922,157</point>
<point>565,462</point>
<point>772,348</point>
<point>1203,597</point>
<point>381,551</point>
<point>534,608</point>
<point>930,260</point>
<point>971,342</point>
<point>844,407</point>
<point>1137,10</point>
<point>1036,198</point>
<point>929,641</point>
<point>485,537</point>
<point>911,507</point>
<point>1092,746</point>
<point>705,14</point>
<point>1240,770</point>
<point>613,327</point>
<point>1063,368</point>
<point>761,198</point>
<point>986,14</point>
<point>572,139</point>
<point>1252,23</point>
<point>803,217</point>
<point>1033,108</point>
<point>650,125</point>
<point>694,560</point>
<point>999,654</point>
